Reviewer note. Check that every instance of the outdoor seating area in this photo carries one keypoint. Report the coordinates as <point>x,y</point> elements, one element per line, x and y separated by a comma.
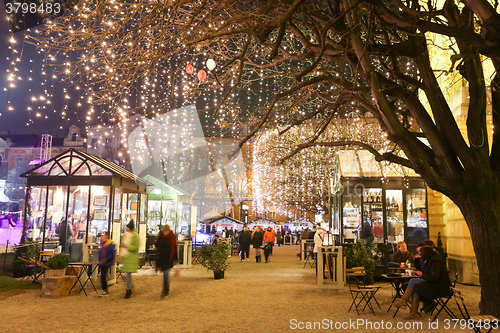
<point>284,272</point>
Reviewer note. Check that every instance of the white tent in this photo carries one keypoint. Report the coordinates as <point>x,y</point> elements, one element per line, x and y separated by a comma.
<point>264,224</point>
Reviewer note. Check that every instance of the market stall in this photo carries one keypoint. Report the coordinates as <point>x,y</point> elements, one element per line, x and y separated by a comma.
<point>75,196</point>
<point>223,222</point>
<point>169,205</point>
<point>264,224</point>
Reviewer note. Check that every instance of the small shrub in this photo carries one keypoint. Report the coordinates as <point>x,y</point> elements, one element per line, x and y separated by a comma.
<point>58,261</point>
<point>215,257</point>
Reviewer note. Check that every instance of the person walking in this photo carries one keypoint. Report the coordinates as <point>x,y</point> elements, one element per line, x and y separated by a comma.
<point>269,239</point>
<point>257,239</point>
<point>279,238</point>
<point>166,245</point>
<point>245,239</point>
<point>130,252</point>
<point>107,255</point>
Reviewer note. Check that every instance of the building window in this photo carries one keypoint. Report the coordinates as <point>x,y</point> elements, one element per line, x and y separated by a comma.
<point>201,163</point>
<point>137,143</point>
<point>152,142</point>
<point>73,137</point>
<point>94,143</point>
<point>19,161</point>
<point>109,142</point>
<point>167,143</point>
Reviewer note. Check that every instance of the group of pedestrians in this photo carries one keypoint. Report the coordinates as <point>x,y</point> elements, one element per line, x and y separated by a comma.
<point>260,240</point>
<point>166,245</point>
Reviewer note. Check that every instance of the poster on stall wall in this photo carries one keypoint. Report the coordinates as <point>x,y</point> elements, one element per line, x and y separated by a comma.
<point>352,219</point>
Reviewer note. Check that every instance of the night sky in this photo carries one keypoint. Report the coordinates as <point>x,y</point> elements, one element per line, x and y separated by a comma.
<point>20,96</point>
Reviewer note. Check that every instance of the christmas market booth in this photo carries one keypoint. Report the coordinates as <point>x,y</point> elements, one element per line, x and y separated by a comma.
<point>223,222</point>
<point>378,204</point>
<point>264,224</point>
<point>75,196</point>
<point>169,205</point>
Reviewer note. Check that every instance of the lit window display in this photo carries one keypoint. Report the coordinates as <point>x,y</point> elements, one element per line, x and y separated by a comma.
<point>393,210</point>
<point>351,218</point>
<point>75,196</point>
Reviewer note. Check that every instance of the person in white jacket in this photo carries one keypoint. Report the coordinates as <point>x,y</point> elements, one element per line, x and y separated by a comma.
<point>318,241</point>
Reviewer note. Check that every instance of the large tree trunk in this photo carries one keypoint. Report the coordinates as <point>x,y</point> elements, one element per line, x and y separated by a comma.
<point>480,206</point>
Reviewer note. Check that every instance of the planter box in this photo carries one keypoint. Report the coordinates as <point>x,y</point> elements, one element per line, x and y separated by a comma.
<point>55,272</point>
<point>58,286</point>
<point>71,270</point>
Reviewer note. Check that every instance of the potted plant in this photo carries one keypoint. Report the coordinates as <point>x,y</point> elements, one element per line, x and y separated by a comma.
<point>215,257</point>
<point>57,264</point>
<point>361,256</point>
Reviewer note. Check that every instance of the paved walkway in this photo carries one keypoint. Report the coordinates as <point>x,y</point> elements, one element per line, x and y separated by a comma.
<point>280,296</point>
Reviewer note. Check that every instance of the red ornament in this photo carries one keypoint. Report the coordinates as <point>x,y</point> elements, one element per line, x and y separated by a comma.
<point>202,75</point>
<point>189,69</point>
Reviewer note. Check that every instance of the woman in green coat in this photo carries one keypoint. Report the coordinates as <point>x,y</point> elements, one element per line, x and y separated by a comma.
<point>130,248</point>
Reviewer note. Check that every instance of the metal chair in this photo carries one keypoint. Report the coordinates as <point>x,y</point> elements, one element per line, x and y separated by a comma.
<point>441,302</point>
<point>308,255</point>
<point>362,294</point>
<point>479,322</point>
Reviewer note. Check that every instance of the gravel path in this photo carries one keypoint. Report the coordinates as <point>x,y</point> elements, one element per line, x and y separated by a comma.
<point>253,297</point>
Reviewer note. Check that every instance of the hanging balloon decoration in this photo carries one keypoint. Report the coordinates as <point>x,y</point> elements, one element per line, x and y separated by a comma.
<point>189,69</point>
<point>202,75</point>
<point>210,64</point>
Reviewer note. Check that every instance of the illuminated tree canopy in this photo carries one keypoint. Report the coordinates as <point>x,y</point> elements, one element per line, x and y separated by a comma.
<point>281,63</point>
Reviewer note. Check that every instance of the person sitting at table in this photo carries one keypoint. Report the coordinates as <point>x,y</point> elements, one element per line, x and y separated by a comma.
<point>433,281</point>
<point>418,258</point>
<point>403,255</point>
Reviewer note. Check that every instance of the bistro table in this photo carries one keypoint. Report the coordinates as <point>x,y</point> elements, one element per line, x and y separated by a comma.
<point>88,268</point>
<point>397,280</point>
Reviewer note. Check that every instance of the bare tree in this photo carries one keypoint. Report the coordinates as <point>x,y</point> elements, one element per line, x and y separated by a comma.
<point>314,56</point>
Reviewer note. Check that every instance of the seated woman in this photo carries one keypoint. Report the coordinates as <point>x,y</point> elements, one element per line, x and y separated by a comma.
<point>433,281</point>
<point>403,255</point>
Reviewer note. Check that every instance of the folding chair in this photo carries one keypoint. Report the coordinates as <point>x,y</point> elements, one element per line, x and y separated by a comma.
<point>119,273</point>
<point>364,292</point>
<point>308,258</point>
<point>441,302</point>
<point>196,256</point>
<point>483,321</point>
<point>28,268</point>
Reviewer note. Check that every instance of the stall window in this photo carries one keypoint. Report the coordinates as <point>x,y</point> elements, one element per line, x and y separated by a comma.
<point>373,219</point>
<point>416,218</point>
<point>351,215</point>
<point>394,211</point>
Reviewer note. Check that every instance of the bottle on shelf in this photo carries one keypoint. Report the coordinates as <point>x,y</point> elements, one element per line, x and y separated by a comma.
<point>378,198</point>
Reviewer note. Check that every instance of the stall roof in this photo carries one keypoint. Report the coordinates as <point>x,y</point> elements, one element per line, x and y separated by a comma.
<point>160,187</point>
<point>81,164</point>
<point>224,219</point>
<point>263,221</point>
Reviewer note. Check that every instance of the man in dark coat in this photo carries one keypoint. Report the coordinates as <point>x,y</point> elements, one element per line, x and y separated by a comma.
<point>166,245</point>
<point>245,239</point>
<point>64,231</point>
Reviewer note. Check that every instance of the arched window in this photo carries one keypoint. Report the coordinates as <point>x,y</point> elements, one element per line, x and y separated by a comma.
<point>73,137</point>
